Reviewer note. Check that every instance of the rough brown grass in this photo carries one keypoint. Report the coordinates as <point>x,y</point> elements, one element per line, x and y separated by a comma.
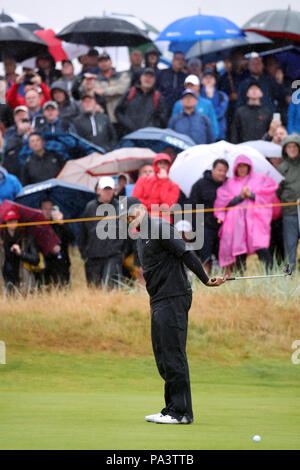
<point>231,323</point>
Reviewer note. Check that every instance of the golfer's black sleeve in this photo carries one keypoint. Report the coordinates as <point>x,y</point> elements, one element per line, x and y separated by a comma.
<point>194,264</point>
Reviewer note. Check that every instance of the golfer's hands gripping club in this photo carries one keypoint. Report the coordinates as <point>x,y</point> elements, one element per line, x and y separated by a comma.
<point>216,281</point>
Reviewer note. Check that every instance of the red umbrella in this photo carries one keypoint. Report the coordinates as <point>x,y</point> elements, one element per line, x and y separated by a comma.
<point>54,44</point>
<point>44,235</point>
<point>59,49</point>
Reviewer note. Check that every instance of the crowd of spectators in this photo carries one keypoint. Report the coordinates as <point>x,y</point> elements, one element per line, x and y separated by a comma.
<point>250,99</point>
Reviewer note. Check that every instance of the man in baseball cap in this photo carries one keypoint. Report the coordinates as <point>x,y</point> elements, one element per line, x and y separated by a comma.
<point>203,105</point>
<point>102,253</point>
<point>20,108</point>
<point>106,182</point>
<point>53,123</point>
<point>189,122</point>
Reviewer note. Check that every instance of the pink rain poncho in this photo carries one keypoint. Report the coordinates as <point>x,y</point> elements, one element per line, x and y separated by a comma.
<point>244,231</point>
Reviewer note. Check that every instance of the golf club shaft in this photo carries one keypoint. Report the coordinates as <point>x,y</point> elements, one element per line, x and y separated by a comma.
<point>255,277</point>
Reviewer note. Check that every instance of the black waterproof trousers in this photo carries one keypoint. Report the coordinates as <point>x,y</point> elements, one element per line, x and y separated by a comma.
<point>169,323</point>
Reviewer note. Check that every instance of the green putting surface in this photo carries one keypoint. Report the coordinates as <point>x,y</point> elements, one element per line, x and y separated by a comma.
<point>98,401</point>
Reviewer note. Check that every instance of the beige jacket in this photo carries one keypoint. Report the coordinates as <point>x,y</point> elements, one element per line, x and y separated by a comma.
<point>114,88</point>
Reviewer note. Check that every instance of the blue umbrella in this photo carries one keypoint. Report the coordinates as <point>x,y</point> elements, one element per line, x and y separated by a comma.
<point>157,139</point>
<point>70,198</point>
<point>183,33</point>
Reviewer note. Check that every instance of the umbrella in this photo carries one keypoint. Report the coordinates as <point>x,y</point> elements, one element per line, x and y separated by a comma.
<point>282,24</point>
<point>44,235</point>
<point>222,46</point>
<point>60,50</point>
<point>69,146</point>
<point>190,165</point>
<point>103,31</point>
<point>288,58</point>
<point>120,55</point>
<point>87,170</point>
<point>268,149</point>
<point>184,32</point>
<point>19,20</point>
<point>157,139</point>
<point>19,43</point>
<point>71,198</point>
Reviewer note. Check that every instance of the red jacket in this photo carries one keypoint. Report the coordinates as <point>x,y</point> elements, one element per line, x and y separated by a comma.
<point>154,190</point>
<point>14,99</point>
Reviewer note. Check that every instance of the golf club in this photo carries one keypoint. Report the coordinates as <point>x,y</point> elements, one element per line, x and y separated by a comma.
<point>287,272</point>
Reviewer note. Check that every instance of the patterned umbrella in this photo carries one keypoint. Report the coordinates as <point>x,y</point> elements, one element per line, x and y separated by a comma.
<point>44,235</point>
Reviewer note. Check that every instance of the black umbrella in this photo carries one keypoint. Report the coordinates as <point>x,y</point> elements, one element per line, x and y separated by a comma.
<point>281,24</point>
<point>103,31</point>
<point>19,43</point>
<point>221,46</point>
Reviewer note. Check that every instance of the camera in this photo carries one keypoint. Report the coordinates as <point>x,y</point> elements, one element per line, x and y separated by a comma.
<point>28,78</point>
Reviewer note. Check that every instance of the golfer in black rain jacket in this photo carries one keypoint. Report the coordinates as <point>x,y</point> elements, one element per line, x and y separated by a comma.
<point>163,256</point>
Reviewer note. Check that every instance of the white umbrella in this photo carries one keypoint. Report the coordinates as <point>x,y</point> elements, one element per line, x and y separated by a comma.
<point>190,165</point>
<point>268,149</point>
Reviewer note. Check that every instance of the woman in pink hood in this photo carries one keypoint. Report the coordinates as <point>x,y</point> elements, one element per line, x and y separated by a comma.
<point>157,189</point>
<point>245,231</point>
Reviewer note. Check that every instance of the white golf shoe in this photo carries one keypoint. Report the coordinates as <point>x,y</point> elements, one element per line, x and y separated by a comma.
<point>152,418</point>
<point>167,419</point>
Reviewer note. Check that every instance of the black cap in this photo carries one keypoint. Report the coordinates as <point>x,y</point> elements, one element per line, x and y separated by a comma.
<point>126,203</point>
<point>93,52</point>
<point>148,70</point>
<point>104,55</point>
<point>209,72</point>
<point>253,82</point>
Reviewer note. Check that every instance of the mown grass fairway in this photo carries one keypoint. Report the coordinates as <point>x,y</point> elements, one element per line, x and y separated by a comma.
<point>80,373</point>
<point>98,401</point>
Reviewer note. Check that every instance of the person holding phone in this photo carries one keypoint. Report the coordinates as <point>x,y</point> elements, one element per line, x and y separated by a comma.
<point>15,137</point>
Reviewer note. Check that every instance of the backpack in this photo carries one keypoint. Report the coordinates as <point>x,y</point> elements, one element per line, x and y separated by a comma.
<point>132,92</point>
